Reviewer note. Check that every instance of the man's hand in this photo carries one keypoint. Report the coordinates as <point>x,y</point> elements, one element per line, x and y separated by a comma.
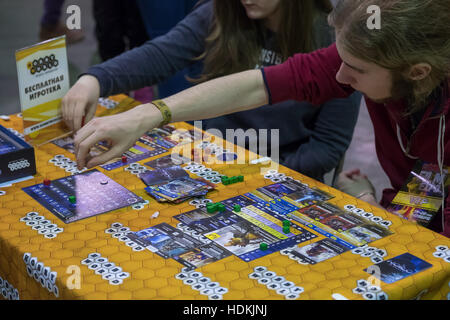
<point>80,103</point>
<point>357,185</point>
<point>119,131</point>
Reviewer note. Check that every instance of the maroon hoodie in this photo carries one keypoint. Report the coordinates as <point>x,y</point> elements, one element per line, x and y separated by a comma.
<point>312,77</point>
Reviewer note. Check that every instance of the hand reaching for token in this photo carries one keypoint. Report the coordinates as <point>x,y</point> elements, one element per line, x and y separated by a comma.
<point>356,184</point>
<point>119,131</point>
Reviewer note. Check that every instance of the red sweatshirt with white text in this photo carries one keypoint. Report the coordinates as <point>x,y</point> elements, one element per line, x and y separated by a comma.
<point>312,77</point>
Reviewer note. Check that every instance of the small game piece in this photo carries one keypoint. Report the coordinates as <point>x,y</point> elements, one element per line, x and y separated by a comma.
<point>4,117</point>
<point>286,223</point>
<point>237,208</point>
<point>47,182</point>
<point>124,159</point>
<point>155,215</point>
<point>104,182</point>
<point>263,246</point>
<point>286,229</point>
<point>72,199</point>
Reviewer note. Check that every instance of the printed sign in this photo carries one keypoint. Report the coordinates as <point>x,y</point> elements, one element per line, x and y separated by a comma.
<point>43,75</point>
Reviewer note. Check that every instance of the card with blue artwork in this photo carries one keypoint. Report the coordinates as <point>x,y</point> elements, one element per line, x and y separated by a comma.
<point>398,268</point>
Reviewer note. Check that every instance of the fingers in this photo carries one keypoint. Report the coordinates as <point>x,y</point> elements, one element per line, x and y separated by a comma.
<point>84,140</point>
<point>104,157</point>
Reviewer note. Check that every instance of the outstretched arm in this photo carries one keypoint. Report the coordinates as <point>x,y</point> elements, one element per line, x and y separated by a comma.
<point>233,93</point>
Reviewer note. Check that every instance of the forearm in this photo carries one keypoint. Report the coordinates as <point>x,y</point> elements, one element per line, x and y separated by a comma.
<point>233,93</point>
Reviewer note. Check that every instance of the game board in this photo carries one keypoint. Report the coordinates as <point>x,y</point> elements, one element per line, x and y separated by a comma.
<point>94,193</point>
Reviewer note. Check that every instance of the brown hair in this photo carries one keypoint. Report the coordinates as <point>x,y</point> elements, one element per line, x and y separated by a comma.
<point>234,43</point>
<point>412,31</point>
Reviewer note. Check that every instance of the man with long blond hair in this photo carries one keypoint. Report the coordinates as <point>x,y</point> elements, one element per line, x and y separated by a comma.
<point>402,69</point>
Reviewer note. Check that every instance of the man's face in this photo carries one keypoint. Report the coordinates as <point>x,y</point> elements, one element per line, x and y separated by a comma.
<point>370,79</point>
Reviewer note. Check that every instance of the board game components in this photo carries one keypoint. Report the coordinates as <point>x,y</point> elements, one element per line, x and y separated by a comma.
<point>17,158</point>
<point>82,196</point>
<point>231,180</point>
<point>173,184</point>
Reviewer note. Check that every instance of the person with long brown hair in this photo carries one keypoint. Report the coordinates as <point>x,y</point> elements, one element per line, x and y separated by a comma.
<point>402,69</point>
<point>230,36</point>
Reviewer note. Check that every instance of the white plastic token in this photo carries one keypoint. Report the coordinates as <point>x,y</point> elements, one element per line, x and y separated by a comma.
<point>116,225</point>
<point>349,207</point>
<point>52,277</point>
<point>207,292</point>
<point>215,297</point>
<point>115,282</point>
<point>122,275</point>
<point>369,296</point>
<point>189,281</point>
<point>255,275</point>
<point>287,284</point>
<point>138,248</point>
<point>376,259</point>
<point>181,276</point>
<point>441,248</point>
<point>274,286</point>
<point>101,260</point>
<point>198,286</point>
<point>87,261</point>
<point>109,265</point>
<point>155,215</point>
<point>358,251</point>
<point>94,255</point>
<point>439,254</point>
<point>56,291</point>
<point>260,269</point>
<point>203,280</point>
<point>367,254</point>
<point>447,259</point>
<point>263,281</point>
<point>298,290</point>
<point>358,211</point>
<point>4,117</point>
<point>124,239</point>
<point>374,289</point>
<point>221,290</point>
<point>376,219</point>
<point>359,290</point>
<point>338,296</point>
<point>131,244</point>
<point>269,274</point>
<point>26,257</point>
<point>292,296</point>
<point>367,215</point>
<point>94,266</point>
<point>283,291</point>
<point>116,270</point>
<point>101,271</point>
<point>108,276</point>
<point>382,296</point>
<point>50,235</point>
<point>212,285</point>
<point>362,283</point>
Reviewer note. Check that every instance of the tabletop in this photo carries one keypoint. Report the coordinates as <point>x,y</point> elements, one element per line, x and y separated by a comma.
<point>290,237</point>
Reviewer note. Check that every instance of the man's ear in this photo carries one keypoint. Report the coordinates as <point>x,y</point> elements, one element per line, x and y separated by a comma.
<point>419,71</point>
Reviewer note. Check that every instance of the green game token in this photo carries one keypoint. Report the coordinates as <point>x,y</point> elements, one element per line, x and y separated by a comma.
<point>72,199</point>
<point>286,229</point>
<point>286,223</point>
<point>240,178</point>
<point>220,207</point>
<point>237,208</point>
<point>263,246</point>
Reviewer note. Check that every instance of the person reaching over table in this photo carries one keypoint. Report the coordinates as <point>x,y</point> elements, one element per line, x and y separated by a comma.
<point>228,37</point>
<point>402,70</point>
